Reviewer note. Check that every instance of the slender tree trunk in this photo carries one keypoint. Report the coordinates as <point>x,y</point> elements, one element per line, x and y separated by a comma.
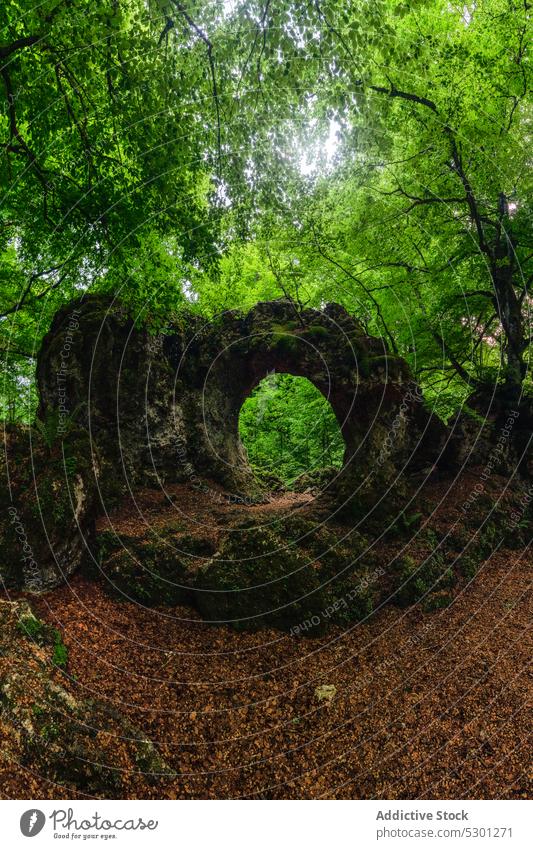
<point>510,314</point>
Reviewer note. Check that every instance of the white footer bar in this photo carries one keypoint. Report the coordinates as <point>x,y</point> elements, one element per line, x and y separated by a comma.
<point>269,824</point>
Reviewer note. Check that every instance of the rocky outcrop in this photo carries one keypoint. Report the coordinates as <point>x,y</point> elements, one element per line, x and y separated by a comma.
<point>164,407</point>
<point>276,565</point>
<point>122,407</point>
<point>48,504</point>
<point>74,744</point>
<point>288,571</point>
<point>492,433</point>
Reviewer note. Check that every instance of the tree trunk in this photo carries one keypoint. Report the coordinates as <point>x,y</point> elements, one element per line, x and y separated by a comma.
<point>510,314</point>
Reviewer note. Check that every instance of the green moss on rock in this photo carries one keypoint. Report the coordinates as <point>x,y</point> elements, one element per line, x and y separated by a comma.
<point>418,580</point>
<point>255,580</point>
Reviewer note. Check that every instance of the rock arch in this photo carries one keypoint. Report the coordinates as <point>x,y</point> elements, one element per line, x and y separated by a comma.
<point>165,406</point>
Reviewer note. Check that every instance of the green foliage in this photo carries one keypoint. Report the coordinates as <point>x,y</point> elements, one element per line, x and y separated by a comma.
<point>48,428</point>
<point>33,628</point>
<point>55,427</point>
<point>288,428</point>
<point>104,165</point>
<point>370,153</point>
<point>50,731</point>
<point>438,601</point>
<point>60,653</point>
<point>409,521</point>
<point>37,631</point>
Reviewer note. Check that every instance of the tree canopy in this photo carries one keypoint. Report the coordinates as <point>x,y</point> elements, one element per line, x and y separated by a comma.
<point>205,155</point>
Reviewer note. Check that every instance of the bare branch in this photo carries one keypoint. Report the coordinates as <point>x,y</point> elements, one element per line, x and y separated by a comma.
<point>470,197</point>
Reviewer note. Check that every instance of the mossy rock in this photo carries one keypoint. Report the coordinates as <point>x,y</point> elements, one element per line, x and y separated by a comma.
<point>287,342</point>
<point>316,332</point>
<point>415,581</point>
<point>48,520</point>
<point>315,481</point>
<point>394,366</point>
<point>83,745</point>
<point>150,571</point>
<point>292,576</point>
<point>437,601</point>
<point>256,580</point>
<point>469,563</point>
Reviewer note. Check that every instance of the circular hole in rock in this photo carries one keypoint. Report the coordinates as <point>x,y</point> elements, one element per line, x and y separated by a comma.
<point>291,434</point>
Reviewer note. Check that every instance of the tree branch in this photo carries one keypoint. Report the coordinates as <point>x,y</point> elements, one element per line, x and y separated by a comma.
<point>8,49</point>
<point>12,350</point>
<point>459,368</point>
<point>27,290</point>
<point>470,197</point>
<point>16,135</point>
<point>403,95</point>
<point>204,37</point>
<point>367,291</point>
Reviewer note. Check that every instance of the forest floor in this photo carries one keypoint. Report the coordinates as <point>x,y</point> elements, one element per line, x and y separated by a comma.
<point>406,705</point>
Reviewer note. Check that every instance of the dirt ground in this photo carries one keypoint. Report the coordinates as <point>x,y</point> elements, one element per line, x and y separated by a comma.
<point>425,705</point>
<point>405,705</point>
